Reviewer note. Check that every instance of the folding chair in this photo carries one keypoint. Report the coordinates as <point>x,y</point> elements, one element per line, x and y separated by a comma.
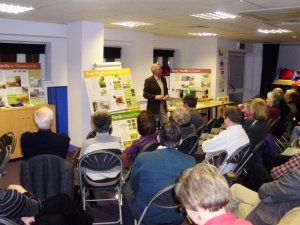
<point>200,130</point>
<point>165,199</point>
<point>5,221</point>
<point>7,147</point>
<point>189,145</point>
<point>150,147</point>
<point>217,158</point>
<point>101,162</point>
<point>8,140</point>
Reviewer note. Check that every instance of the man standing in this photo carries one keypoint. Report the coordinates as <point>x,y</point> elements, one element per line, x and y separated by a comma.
<point>153,171</point>
<point>156,92</point>
<point>44,141</point>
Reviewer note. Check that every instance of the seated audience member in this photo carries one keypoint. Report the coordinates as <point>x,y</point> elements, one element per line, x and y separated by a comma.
<point>290,98</point>
<point>272,201</point>
<point>19,205</point>
<point>190,103</point>
<point>44,142</point>
<point>247,116</point>
<point>101,122</point>
<point>204,193</point>
<point>153,171</point>
<point>259,128</point>
<point>283,107</point>
<point>230,139</point>
<point>147,129</point>
<point>182,117</point>
<point>273,100</point>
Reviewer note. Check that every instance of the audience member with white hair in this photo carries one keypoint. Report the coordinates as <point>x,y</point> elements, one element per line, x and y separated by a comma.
<point>44,141</point>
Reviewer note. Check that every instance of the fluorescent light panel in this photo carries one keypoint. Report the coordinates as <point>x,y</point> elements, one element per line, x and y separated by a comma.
<point>215,16</point>
<point>131,24</point>
<point>273,31</point>
<point>202,34</point>
<point>13,8</point>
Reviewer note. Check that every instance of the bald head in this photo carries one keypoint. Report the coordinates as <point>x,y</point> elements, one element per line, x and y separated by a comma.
<point>43,118</point>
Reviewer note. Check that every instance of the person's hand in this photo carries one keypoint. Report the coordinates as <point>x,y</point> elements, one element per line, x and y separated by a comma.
<point>28,220</point>
<point>16,187</point>
<point>159,97</point>
<point>166,97</point>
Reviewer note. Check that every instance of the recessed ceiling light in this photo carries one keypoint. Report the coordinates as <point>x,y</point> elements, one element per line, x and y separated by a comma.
<point>131,24</point>
<point>202,34</point>
<point>13,8</point>
<point>215,16</point>
<point>273,31</point>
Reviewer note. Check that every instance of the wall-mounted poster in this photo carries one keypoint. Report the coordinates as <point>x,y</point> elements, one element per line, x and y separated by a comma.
<point>21,83</point>
<point>186,81</point>
<point>125,126</point>
<point>110,89</point>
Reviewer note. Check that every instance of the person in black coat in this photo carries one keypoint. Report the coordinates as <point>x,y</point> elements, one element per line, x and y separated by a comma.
<point>44,141</point>
<point>156,92</point>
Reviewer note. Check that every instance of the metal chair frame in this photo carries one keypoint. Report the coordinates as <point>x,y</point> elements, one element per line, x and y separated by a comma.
<point>194,147</point>
<point>156,197</point>
<point>5,221</point>
<point>90,161</point>
<point>217,158</point>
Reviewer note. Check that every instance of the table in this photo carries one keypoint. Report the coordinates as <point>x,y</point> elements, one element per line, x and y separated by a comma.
<point>205,105</point>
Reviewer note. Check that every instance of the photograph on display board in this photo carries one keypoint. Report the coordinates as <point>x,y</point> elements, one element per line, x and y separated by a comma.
<point>190,81</point>
<point>125,126</point>
<point>21,83</point>
<point>110,89</point>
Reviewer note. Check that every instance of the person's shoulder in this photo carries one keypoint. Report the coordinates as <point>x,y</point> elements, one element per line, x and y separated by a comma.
<point>27,134</point>
<point>148,79</point>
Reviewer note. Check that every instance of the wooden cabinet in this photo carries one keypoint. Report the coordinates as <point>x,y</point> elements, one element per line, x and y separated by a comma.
<point>20,120</point>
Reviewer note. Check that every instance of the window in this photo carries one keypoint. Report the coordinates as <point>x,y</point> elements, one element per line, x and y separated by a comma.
<point>112,54</point>
<point>165,58</point>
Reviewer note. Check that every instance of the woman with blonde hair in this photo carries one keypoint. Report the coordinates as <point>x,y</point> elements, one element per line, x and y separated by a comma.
<point>259,128</point>
<point>204,193</point>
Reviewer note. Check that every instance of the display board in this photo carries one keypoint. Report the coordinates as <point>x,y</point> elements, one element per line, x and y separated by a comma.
<point>21,83</point>
<point>190,80</point>
<point>125,126</point>
<point>110,89</point>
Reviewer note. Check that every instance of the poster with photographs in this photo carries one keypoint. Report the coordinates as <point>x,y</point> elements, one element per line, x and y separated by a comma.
<point>124,125</point>
<point>21,84</point>
<point>190,80</point>
<point>110,89</point>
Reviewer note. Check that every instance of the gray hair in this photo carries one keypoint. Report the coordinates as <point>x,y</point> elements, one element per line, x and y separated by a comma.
<point>182,116</point>
<point>43,117</point>
<point>275,98</point>
<point>101,121</point>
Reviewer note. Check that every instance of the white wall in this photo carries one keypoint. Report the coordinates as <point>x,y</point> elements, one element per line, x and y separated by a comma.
<point>289,57</point>
<point>53,35</point>
<point>137,54</point>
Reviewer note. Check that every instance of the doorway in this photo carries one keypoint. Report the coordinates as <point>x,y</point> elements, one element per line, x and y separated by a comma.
<point>236,77</point>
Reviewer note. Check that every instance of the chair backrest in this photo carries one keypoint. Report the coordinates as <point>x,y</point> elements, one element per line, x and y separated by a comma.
<point>8,140</point>
<point>149,147</point>
<point>189,145</point>
<point>210,124</point>
<point>47,175</point>
<point>200,130</point>
<point>244,162</point>
<point>165,198</point>
<point>217,158</point>
<point>5,153</point>
<point>239,154</point>
<point>5,221</point>
<point>91,134</point>
<point>100,161</point>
